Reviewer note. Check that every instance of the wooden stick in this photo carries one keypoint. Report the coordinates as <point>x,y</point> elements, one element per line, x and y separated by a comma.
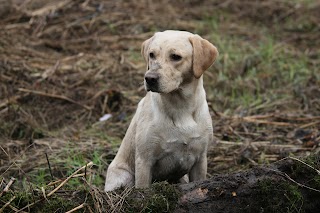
<point>49,166</point>
<point>68,178</point>
<point>7,204</point>
<point>309,124</point>
<point>77,208</point>
<point>250,120</point>
<point>296,159</point>
<point>59,181</point>
<point>14,208</point>
<point>54,96</point>
<point>262,144</point>
<point>29,205</point>
<point>12,179</point>
<point>292,180</point>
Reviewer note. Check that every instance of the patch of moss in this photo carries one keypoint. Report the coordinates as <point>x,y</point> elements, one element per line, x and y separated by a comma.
<point>316,181</point>
<point>312,160</point>
<point>21,199</point>
<point>160,197</point>
<point>300,170</point>
<point>55,203</point>
<point>277,196</point>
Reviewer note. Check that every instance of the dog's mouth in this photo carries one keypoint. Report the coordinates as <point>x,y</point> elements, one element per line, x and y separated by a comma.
<point>153,83</point>
<point>152,88</point>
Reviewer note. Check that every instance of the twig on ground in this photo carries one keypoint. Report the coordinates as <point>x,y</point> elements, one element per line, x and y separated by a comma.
<point>299,184</point>
<point>44,193</point>
<point>7,204</point>
<point>59,181</point>
<point>309,124</point>
<point>4,151</point>
<point>263,144</point>
<point>49,166</point>
<point>29,205</point>
<point>77,208</point>
<point>253,120</point>
<point>89,209</point>
<point>121,199</point>
<point>13,208</point>
<point>68,178</point>
<point>12,179</point>
<point>54,96</point>
<point>296,159</point>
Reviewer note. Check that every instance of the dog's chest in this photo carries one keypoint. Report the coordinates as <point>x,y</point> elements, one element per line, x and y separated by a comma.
<point>178,150</point>
<point>183,142</point>
<point>184,135</point>
<point>182,151</point>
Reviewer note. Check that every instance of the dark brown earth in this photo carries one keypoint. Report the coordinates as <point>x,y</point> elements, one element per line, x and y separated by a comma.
<point>261,189</point>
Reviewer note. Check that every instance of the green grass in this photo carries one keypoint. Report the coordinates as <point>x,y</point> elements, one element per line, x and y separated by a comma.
<point>251,71</point>
<point>76,159</point>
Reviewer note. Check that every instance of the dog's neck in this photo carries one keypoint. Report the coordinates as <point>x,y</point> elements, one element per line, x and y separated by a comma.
<point>183,102</point>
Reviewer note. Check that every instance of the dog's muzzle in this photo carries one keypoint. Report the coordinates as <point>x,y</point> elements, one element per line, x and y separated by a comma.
<point>152,81</point>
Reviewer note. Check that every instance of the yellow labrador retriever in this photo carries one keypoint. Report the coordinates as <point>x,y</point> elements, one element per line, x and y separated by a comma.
<point>169,134</point>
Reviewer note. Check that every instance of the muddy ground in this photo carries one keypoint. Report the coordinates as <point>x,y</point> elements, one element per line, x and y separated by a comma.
<point>65,64</point>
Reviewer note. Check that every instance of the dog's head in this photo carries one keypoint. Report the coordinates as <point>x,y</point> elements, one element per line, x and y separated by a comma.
<point>175,58</point>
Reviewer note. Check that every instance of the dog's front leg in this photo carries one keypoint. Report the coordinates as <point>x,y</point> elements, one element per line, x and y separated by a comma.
<point>143,176</point>
<point>199,169</point>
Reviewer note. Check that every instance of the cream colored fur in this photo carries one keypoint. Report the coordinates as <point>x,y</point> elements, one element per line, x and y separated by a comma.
<point>169,133</point>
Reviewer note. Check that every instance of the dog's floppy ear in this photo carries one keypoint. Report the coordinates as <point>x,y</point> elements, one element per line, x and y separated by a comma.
<point>144,50</point>
<point>204,54</point>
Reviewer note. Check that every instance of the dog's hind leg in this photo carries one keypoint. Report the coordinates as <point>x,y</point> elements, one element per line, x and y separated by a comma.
<point>118,177</point>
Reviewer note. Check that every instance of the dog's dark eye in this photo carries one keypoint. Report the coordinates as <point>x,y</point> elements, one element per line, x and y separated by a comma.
<point>151,55</point>
<point>175,57</point>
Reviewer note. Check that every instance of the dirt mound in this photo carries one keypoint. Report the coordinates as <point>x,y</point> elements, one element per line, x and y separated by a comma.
<point>64,64</point>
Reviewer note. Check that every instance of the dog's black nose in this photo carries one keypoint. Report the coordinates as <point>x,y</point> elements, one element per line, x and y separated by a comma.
<point>151,79</point>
